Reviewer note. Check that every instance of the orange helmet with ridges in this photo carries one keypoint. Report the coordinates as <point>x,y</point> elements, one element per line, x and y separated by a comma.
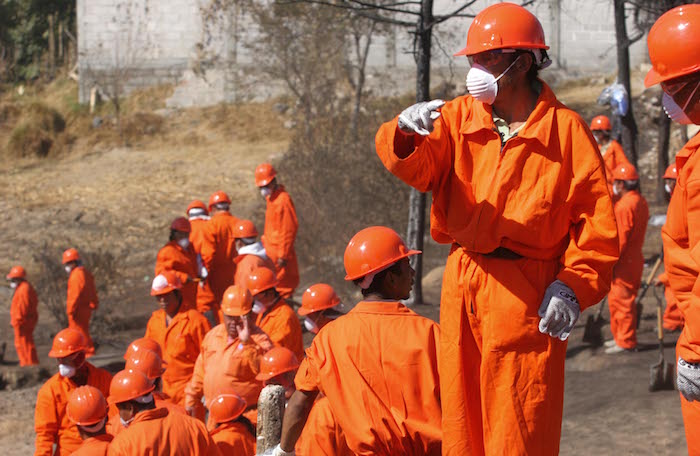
<point>86,406</point>
<point>147,362</point>
<point>197,204</point>
<point>261,279</point>
<point>277,361</point>
<point>237,301</point>
<point>17,272</point>
<point>318,297</point>
<point>164,283</point>
<point>245,229</point>
<point>625,172</point>
<point>504,26</point>
<point>671,172</point>
<point>264,174</point>
<point>181,224</point>
<point>143,343</point>
<point>70,255</point>
<point>218,197</point>
<point>673,45</point>
<point>372,250</point>
<point>226,407</point>
<point>128,385</point>
<point>67,342</point>
<point>601,123</point>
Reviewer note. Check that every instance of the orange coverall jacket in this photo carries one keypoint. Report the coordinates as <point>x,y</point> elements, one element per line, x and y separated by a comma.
<point>218,253</point>
<point>282,325</point>
<point>180,341</point>
<point>205,297</point>
<point>541,195</point>
<point>114,425</point>
<point>184,263</point>
<point>680,235</point>
<point>234,438</point>
<point>51,423</point>
<point>378,367</point>
<point>322,434</point>
<point>224,363</point>
<point>23,318</point>
<point>94,446</point>
<point>81,300</point>
<point>281,226</point>
<point>673,317</point>
<point>613,156</point>
<point>159,431</point>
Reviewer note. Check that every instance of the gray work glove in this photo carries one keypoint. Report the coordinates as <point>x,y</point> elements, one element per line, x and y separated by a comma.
<point>559,310</point>
<point>419,118</point>
<point>688,380</point>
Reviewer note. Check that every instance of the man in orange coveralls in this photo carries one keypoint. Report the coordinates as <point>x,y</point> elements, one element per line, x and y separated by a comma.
<point>385,405</point>
<point>23,316</point>
<point>179,334</point>
<point>198,216</point>
<point>278,367</point>
<point>234,434</point>
<point>519,190</point>
<point>251,253</point>
<point>81,298</point>
<point>151,429</point>
<point>675,59</point>
<point>319,306</point>
<point>274,316</point>
<point>631,214</point>
<point>230,353</point>
<point>611,150</point>
<point>87,408</point>
<point>280,228</point>
<point>51,423</point>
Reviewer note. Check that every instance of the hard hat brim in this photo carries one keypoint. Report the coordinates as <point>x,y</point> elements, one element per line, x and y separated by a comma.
<point>383,265</point>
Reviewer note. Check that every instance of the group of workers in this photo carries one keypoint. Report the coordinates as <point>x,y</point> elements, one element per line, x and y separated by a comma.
<point>544,216</point>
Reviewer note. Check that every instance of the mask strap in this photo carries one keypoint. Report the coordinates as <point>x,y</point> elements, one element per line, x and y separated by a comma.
<point>690,97</point>
<point>507,69</point>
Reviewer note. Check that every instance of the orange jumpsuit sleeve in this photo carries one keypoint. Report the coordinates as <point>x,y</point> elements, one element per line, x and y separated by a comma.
<point>208,243</point>
<point>307,378</point>
<point>625,222</point>
<point>165,261</point>
<point>46,421</point>
<point>288,225</point>
<point>76,284</point>
<point>195,388</point>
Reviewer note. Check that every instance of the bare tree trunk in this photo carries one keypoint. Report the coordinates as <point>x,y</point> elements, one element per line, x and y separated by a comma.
<point>52,46</point>
<point>628,134</point>
<point>417,200</point>
<point>664,131</point>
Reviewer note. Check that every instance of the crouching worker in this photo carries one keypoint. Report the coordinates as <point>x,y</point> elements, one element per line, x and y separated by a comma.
<point>87,408</point>
<point>234,434</point>
<point>384,405</point>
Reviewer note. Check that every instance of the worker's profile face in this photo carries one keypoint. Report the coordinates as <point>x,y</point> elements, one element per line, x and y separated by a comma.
<point>669,186</point>
<point>75,360</point>
<point>168,302</point>
<point>266,297</point>
<point>685,91</point>
<point>601,136</point>
<point>403,281</point>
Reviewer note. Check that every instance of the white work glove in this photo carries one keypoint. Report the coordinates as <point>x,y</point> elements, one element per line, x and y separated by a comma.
<point>559,310</point>
<point>688,380</point>
<point>419,118</point>
<point>203,273</point>
<point>278,451</point>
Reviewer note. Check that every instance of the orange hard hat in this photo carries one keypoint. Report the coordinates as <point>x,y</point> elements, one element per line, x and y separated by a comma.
<point>70,255</point>
<point>86,406</point>
<point>181,224</point>
<point>164,283</point>
<point>673,45</point>
<point>218,197</point>
<point>318,297</point>
<point>237,301</point>
<point>17,272</point>
<point>264,174</point>
<point>601,123</point>
<point>245,229</point>
<point>128,385</point>
<point>671,172</point>
<point>143,343</point>
<point>226,407</point>
<point>197,204</point>
<point>625,172</point>
<point>372,250</point>
<point>261,279</point>
<point>276,361</point>
<point>504,26</point>
<point>147,362</point>
<point>67,342</point>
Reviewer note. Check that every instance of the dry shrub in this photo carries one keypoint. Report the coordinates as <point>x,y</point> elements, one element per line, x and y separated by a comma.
<point>37,131</point>
<point>140,124</point>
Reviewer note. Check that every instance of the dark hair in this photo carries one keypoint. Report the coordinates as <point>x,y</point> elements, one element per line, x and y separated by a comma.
<point>630,184</point>
<point>172,235</point>
<point>378,281</point>
<point>246,422</point>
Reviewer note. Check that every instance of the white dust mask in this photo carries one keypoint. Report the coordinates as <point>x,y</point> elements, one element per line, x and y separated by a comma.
<point>124,422</point>
<point>68,269</point>
<point>311,326</point>
<point>184,243</point>
<point>667,188</point>
<point>482,85</point>
<point>13,284</point>
<point>673,111</point>
<point>64,370</point>
<point>616,192</point>
<point>258,307</point>
<point>265,192</point>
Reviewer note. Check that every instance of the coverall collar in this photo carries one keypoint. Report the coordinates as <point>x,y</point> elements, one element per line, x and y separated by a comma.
<point>152,414</point>
<point>685,153</point>
<point>381,307</point>
<point>538,125</point>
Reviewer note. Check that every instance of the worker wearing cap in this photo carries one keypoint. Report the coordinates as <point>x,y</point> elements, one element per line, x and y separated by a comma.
<point>384,404</point>
<point>81,299</point>
<point>319,306</point>
<point>51,422</point>
<point>631,214</point>
<point>219,247</point>
<point>519,191</point>
<point>179,333</point>
<point>611,150</point>
<point>675,59</point>
<point>280,228</point>
<point>198,215</point>
<point>87,408</point>
<point>274,316</point>
<point>233,433</point>
<point>251,253</point>
<point>178,255</point>
<point>230,353</point>
<point>151,429</point>
<point>23,315</point>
